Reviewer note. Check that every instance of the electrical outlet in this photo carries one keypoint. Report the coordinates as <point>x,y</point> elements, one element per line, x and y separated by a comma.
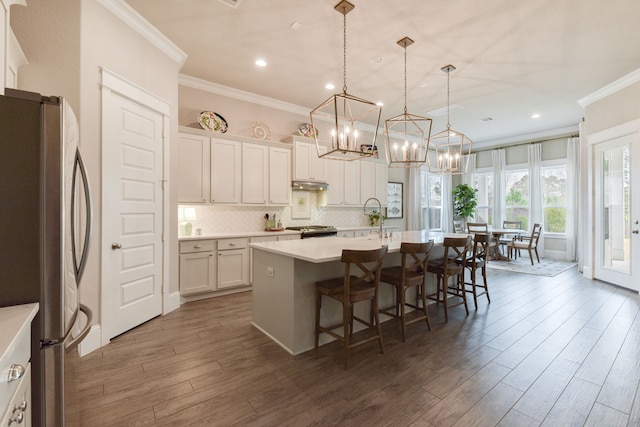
<point>270,271</point>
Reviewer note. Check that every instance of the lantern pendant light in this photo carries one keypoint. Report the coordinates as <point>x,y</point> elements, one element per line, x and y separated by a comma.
<point>347,124</point>
<point>406,136</point>
<point>449,147</point>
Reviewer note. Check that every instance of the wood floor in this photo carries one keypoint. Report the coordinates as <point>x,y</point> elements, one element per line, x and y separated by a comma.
<point>562,351</point>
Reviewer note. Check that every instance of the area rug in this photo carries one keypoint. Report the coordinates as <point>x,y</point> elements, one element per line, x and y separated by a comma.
<point>546,267</point>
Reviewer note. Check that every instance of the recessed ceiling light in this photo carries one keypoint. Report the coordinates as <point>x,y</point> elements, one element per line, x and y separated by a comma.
<point>379,103</point>
<point>295,25</point>
<point>424,85</point>
<point>377,59</point>
<point>261,63</point>
<point>329,86</point>
<point>535,116</point>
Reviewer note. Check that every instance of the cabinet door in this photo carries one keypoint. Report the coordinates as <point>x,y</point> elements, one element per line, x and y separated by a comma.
<point>226,162</point>
<point>349,234</point>
<point>197,273</point>
<point>382,173</point>
<point>351,183</point>
<point>279,176</point>
<point>367,180</point>
<point>21,399</point>
<point>335,179</point>
<point>233,268</point>
<point>193,177</point>
<point>307,165</point>
<point>317,164</point>
<point>255,173</point>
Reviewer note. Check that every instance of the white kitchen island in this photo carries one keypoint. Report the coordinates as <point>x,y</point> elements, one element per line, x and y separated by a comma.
<point>284,274</point>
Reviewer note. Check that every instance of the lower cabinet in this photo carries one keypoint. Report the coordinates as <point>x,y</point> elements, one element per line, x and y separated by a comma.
<point>233,263</point>
<point>197,267</point>
<point>18,410</point>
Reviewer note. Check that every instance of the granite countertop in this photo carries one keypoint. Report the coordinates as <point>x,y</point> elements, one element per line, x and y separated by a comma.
<point>324,250</point>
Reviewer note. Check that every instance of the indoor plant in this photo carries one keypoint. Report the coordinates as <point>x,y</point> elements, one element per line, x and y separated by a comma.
<point>374,218</point>
<point>465,201</point>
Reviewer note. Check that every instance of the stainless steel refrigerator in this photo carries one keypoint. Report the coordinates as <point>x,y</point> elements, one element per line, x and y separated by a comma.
<point>45,212</point>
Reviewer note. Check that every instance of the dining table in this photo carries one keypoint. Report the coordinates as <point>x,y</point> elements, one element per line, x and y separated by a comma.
<point>497,234</point>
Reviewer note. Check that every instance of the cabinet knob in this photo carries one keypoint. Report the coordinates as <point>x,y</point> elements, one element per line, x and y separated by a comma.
<point>15,372</point>
<point>116,245</point>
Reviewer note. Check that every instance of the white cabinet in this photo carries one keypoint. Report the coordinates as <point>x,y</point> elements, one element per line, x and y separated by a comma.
<point>18,409</point>
<point>226,167</point>
<point>335,179</point>
<point>352,183</point>
<point>382,176</point>
<point>193,180</point>
<point>362,233</point>
<point>197,267</point>
<point>233,263</point>
<point>279,176</point>
<point>307,166</point>
<point>348,234</point>
<point>255,173</point>
<point>373,181</point>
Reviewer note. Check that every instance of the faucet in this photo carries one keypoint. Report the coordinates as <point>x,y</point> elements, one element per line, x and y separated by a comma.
<point>364,209</point>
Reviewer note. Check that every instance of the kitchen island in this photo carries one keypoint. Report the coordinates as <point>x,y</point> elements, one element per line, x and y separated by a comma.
<point>284,274</point>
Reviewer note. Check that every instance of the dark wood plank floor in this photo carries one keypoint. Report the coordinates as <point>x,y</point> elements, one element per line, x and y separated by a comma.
<point>546,352</point>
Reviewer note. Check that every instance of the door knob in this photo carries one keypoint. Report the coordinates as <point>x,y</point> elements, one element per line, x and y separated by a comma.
<point>116,245</point>
<point>635,231</point>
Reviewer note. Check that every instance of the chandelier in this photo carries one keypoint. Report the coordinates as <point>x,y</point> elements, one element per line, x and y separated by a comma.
<point>449,147</point>
<point>406,136</point>
<point>349,118</point>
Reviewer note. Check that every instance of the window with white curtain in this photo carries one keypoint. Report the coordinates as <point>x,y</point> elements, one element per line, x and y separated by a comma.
<point>554,195</point>
<point>431,200</point>
<point>517,195</point>
<point>484,185</point>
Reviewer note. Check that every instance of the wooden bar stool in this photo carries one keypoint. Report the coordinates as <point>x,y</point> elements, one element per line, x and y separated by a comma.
<point>410,274</point>
<point>452,264</point>
<point>477,259</point>
<point>352,289</point>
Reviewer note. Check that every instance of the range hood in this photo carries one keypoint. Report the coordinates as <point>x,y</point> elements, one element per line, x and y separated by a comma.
<point>309,185</point>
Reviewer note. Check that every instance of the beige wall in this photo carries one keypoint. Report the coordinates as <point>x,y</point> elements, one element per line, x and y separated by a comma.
<point>620,107</point>
<point>67,42</point>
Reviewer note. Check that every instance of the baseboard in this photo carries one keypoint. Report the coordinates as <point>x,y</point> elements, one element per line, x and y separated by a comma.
<point>559,255</point>
<point>91,342</point>
<point>171,302</point>
<point>586,272</point>
<point>198,297</point>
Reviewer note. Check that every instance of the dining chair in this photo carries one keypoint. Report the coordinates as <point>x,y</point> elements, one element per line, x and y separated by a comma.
<point>477,260</point>
<point>451,265</point>
<point>411,273</point>
<point>458,225</point>
<point>350,289</point>
<point>477,227</point>
<point>509,225</point>
<point>530,243</point>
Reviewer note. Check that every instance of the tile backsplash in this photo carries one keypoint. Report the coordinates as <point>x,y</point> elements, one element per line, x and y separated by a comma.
<point>238,218</point>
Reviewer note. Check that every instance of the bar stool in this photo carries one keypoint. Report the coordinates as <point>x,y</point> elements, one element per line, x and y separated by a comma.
<point>352,289</point>
<point>477,259</point>
<point>410,274</point>
<point>452,264</point>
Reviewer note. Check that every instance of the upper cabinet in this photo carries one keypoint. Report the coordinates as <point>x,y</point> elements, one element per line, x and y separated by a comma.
<point>307,166</point>
<point>232,170</point>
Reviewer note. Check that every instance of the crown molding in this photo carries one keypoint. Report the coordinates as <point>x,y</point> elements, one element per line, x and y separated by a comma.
<point>140,25</point>
<point>218,89</point>
<point>529,137</point>
<point>623,82</point>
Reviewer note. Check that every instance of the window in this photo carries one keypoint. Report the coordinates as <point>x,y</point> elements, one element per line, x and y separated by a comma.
<point>431,201</point>
<point>484,185</point>
<point>517,196</point>
<point>554,198</point>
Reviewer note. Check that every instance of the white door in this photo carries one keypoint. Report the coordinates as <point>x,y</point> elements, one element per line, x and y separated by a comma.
<point>132,214</point>
<point>617,211</point>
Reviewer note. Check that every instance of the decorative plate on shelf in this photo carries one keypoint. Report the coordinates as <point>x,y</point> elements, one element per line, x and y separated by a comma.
<point>211,121</point>
<point>261,131</point>
<point>307,129</point>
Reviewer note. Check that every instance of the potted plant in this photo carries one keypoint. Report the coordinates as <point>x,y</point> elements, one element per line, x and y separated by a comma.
<point>465,201</point>
<point>374,218</point>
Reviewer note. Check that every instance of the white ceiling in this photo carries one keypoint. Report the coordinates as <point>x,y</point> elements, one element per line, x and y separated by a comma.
<point>514,58</point>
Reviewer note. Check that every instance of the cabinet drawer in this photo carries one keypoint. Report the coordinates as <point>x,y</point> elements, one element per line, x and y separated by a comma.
<point>226,244</point>
<point>197,246</point>
<point>18,354</point>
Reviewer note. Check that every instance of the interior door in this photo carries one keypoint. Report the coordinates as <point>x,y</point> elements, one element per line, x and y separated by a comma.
<point>132,214</point>
<point>617,211</point>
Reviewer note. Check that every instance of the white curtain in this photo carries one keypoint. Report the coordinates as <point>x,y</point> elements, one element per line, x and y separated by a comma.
<point>469,177</point>
<point>447,204</point>
<point>414,210</point>
<point>573,198</point>
<point>536,210</point>
<point>499,187</point>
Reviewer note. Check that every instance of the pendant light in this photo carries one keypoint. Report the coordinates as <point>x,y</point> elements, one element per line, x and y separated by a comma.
<point>450,148</point>
<point>406,136</point>
<point>342,119</point>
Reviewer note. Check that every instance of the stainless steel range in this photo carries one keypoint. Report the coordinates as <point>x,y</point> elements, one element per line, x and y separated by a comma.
<point>308,231</point>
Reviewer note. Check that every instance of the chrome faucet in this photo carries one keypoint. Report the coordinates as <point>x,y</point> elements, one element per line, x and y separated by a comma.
<point>364,209</point>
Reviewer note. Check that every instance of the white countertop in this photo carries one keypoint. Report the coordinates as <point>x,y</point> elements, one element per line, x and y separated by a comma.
<point>236,234</point>
<point>330,249</point>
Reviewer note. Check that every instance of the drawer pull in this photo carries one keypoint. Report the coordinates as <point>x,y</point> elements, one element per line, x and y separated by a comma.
<point>18,419</point>
<point>232,244</point>
<point>15,372</point>
<point>197,246</point>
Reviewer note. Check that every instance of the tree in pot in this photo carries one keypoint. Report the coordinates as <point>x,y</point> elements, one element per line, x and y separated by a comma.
<point>465,201</point>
